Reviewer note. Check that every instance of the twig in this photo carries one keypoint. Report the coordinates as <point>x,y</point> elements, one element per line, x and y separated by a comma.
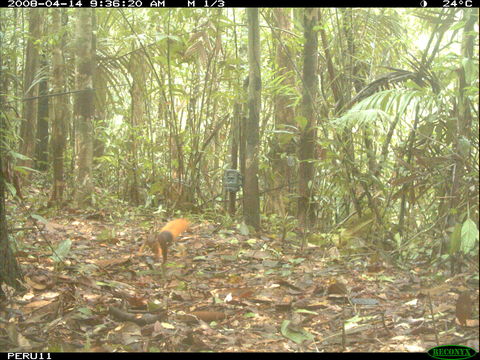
<point>433,319</point>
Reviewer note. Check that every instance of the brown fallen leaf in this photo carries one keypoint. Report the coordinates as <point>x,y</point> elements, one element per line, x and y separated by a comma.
<point>41,307</point>
<point>437,290</point>
<point>34,285</point>
<point>338,288</point>
<point>463,309</point>
<point>137,301</point>
<point>196,341</point>
<point>239,293</point>
<point>40,279</point>
<point>375,267</point>
<point>104,263</point>
<point>207,316</point>
<point>38,304</point>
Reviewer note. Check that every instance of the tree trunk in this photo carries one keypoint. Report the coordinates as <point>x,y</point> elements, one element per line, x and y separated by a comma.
<point>464,119</point>
<point>234,153</point>
<point>59,136</point>
<point>41,146</point>
<point>282,146</point>
<point>138,109</point>
<point>251,204</point>
<point>10,271</point>
<point>84,107</point>
<point>101,86</point>
<point>27,128</point>
<point>306,213</point>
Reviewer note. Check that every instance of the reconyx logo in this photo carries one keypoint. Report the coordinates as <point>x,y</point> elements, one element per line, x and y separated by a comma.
<point>456,352</point>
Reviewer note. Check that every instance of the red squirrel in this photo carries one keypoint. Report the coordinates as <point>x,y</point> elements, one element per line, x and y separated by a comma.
<point>159,242</point>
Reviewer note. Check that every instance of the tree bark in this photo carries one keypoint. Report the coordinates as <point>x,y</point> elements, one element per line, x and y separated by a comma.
<point>84,107</point>
<point>282,145</point>
<point>138,111</point>
<point>41,146</point>
<point>27,128</point>
<point>10,271</point>
<point>59,136</point>
<point>251,204</point>
<point>234,153</point>
<point>306,213</point>
<point>461,145</point>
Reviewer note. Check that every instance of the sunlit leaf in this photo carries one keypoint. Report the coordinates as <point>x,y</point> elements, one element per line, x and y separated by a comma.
<point>469,236</point>
<point>62,250</point>
<point>297,336</point>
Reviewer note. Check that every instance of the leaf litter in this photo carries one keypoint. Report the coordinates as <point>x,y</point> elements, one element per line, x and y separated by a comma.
<point>223,291</point>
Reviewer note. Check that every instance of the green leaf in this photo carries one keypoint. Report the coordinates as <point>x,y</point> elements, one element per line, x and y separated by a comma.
<point>305,311</point>
<point>106,234</point>
<point>398,239</point>
<point>470,70</point>
<point>297,261</point>
<point>297,336</point>
<point>469,235</point>
<point>11,189</point>
<point>85,311</point>
<point>455,239</point>
<point>301,121</point>
<point>40,218</point>
<point>153,306</point>
<point>18,155</point>
<point>243,228</point>
<point>62,250</point>
<point>353,320</point>
<point>386,278</point>
<point>25,169</point>
<point>458,25</point>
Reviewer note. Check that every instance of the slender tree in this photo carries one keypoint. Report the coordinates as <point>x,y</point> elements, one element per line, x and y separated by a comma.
<point>251,204</point>
<point>282,145</point>
<point>41,145</point>
<point>27,128</point>
<point>138,72</point>
<point>84,106</point>
<point>462,143</point>
<point>234,135</point>
<point>463,114</point>
<point>10,272</point>
<point>306,149</point>
<point>59,112</point>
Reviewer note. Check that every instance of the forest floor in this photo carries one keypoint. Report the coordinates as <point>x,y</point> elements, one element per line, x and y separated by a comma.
<point>223,291</point>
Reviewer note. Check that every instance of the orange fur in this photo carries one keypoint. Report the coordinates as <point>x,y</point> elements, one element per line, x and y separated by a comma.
<point>176,227</point>
<point>160,242</point>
